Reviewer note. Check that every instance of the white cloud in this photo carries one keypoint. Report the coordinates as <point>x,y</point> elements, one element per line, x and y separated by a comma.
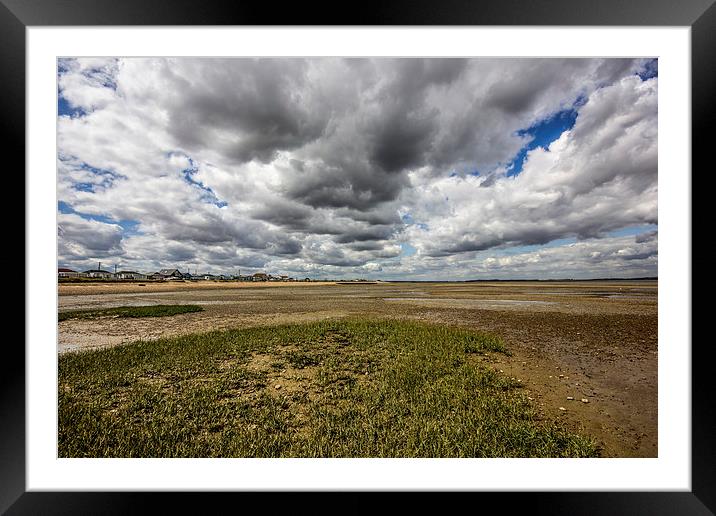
<point>325,166</point>
<point>598,177</point>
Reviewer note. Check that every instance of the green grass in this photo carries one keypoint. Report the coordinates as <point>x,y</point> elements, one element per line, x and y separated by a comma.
<point>129,311</point>
<point>350,388</point>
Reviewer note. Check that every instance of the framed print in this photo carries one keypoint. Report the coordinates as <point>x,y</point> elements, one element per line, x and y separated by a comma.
<point>428,238</point>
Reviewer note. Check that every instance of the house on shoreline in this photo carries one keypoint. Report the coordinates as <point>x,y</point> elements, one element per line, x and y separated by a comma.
<point>98,273</point>
<point>68,273</point>
<point>130,275</point>
<point>170,275</point>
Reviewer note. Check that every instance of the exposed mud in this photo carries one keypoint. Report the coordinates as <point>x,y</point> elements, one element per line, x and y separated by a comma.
<point>594,341</point>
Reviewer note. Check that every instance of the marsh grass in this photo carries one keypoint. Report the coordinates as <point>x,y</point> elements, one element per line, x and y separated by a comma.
<point>129,311</point>
<point>349,388</point>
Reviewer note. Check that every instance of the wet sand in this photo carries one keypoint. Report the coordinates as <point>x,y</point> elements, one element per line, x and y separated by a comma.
<point>585,340</point>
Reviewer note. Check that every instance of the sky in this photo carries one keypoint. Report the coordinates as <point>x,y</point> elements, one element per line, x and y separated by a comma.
<point>404,169</point>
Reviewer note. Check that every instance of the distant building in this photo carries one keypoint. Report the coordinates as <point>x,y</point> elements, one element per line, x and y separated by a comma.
<point>130,275</point>
<point>260,276</point>
<point>171,273</point>
<point>68,273</point>
<point>99,273</point>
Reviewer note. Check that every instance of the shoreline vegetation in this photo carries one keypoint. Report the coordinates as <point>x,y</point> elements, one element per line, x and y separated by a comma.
<point>359,387</point>
<point>129,311</point>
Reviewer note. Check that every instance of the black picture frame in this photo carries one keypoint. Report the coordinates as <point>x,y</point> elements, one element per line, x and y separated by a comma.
<point>17,15</point>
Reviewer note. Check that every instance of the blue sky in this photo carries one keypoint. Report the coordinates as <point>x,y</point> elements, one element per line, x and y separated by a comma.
<point>423,168</point>
<point>541,134</point>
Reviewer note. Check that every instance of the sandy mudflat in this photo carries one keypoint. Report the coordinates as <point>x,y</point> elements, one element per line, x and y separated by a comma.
<point>586,340</point>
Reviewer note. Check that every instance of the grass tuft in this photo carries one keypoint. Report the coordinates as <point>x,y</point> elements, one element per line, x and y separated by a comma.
<point>348,388</point>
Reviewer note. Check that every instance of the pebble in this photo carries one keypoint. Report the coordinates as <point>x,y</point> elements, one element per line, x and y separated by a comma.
<point>585,400</point>
<point>277,386</point>
<point>561,376</point>
<point>562,408</point>
<point>570,398</point>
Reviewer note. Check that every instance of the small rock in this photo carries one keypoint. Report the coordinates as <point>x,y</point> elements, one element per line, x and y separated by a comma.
<point>277,386</point>
<point>570,398</point>
<point>501,371</point>
<point>530,398</point>
<point>562,408</point>
<point>585,400</point>
<point>561,376</point>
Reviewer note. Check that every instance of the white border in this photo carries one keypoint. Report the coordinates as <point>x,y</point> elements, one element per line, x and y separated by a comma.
<point>670,471</point>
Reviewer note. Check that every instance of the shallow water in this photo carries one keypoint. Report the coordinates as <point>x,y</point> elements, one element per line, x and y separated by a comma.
<point>469,300</point>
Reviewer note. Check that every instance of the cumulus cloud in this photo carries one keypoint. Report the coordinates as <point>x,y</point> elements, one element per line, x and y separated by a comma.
<point>83,240</point>
<point>597,177</point>
<point>326,165</point>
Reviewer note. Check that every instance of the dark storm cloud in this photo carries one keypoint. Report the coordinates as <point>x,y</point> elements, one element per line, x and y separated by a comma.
<point>401,135</point>
<point>247,108</point>
<point>402,141</point>
<point>335,257</point>
<point>344,185</point>
<point>522,87</point>
<point>463,246</point>
<point>646,237</point>
<point>80,238</point>
<point>285,247</point>
<point>208,229</point>
<point>518,95</point>
<point>179,253</point>
<point>285,214</point>
<point>371,245</point>
<point>371,233</point>
<point>639,256</point>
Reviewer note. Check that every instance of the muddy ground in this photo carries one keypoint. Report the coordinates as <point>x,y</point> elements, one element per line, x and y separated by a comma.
<point>595,341</point>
